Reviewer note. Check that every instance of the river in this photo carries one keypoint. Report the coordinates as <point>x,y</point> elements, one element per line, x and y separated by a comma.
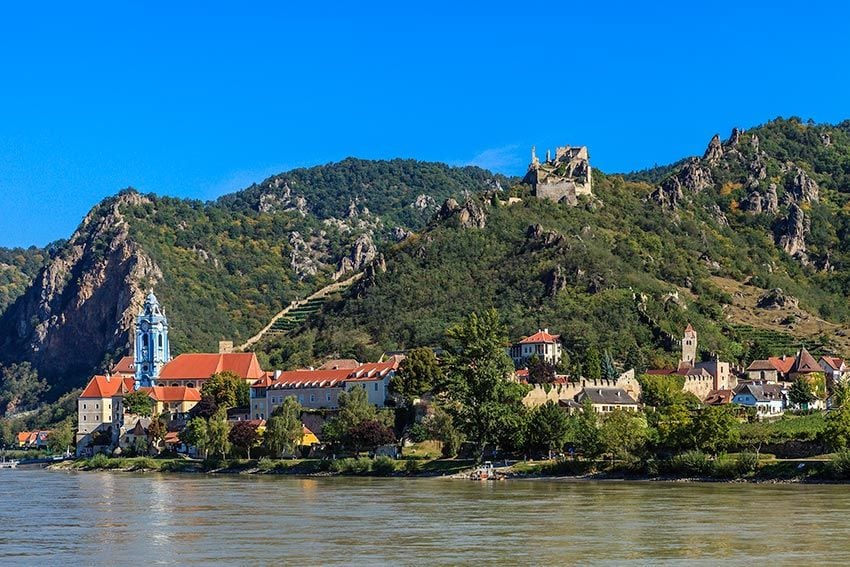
<point>52,517</point>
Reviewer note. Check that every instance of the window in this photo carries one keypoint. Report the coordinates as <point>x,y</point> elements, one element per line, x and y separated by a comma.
<point>84,418</point>
<point>328,396</point>
<point>84,406</point>
<point>160,341</point>
<point>376,386</point>
<point>312,398</point>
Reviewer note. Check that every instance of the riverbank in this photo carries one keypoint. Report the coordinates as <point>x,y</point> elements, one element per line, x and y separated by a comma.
<point>728,469</point>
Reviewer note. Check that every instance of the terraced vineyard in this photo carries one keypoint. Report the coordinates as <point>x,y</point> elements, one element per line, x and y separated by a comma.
<point>299,311</point>
<point>297,316</point>
<point>779,343</point>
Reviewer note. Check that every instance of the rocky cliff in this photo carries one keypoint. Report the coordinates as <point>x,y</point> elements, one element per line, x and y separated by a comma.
<point>81,305</point>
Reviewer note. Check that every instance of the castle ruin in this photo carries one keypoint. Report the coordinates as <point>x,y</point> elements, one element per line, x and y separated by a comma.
<point>561,179</point>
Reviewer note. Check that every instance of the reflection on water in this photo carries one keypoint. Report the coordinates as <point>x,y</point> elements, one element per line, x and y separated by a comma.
<point>97,518</point>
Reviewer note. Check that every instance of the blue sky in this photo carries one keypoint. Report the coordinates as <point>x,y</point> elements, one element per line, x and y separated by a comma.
<point>201,98</point>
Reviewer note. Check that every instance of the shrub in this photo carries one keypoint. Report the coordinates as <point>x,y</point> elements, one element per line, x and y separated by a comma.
<point>839,467</point>
<point>145,463</point>
<point>412,466</point>
<point>265,464</point>
<point>352,466</point>
<point>383,466</point>
<point>689,463</point>
<point>724,466</point>
<point>99,461</point>
<point>747,462</point>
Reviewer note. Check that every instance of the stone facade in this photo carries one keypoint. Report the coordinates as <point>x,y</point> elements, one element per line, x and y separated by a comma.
<point>564,389</point>
<point>562,179</point>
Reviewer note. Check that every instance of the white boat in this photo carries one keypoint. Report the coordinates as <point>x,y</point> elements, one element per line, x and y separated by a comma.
<point>4,464</point>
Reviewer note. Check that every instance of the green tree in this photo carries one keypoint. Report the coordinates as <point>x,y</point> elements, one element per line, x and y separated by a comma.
<point>244,435</point>
<point>836,434</point>
<point>660,391</point>
<point>416,375</point>
<point>483,401</point>
<point>196,434</point>
<point>592,363</point>
<point>548,427</point>
<point>624,433</point>
<point>156,431</point>
<point>674,424</point>
<point>227,390</point>
<point>801,393</point>
<point>284,429</point>
<point>715,429</point>
<point>138,403</point>
<point>440,427</point>
<point>219,430</point>
<point>61,437</point>
<point>609,369</point>
<point>588,436</point>
<point>20,387</point>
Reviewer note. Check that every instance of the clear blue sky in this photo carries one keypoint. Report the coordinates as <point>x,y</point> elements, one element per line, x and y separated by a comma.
<point>198,99</point>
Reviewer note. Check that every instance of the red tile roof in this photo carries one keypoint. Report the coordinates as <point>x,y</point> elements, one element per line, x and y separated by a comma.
<point>200,366</point>
<point>107,386</point>
<point>330,378</point>
<point>173,393</point>
<point>718,397</point>
<point>782,364</point>
<point>540,337</point>
<point>124,366</point>
<point>661,372</point>
<point>833,362</point>
<point>339,364</point>
<point>805,363</point>
<point>761,365</point>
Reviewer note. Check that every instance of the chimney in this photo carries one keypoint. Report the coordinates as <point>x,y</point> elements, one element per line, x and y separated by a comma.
<point>276,374</point>
<point>546,330</point>
<point>225,347</point>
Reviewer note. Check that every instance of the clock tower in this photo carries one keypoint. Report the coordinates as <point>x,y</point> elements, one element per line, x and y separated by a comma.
<point>151,350</point>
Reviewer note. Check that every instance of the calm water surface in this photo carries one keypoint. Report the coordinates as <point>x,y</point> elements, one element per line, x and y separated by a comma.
<point>70,518</point>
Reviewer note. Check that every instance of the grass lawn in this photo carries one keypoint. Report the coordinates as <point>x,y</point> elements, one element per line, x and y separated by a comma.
<point>802,427</point>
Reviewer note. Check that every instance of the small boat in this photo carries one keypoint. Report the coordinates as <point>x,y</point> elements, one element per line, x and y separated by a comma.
<point>4,464</point>
<point>486,472</point>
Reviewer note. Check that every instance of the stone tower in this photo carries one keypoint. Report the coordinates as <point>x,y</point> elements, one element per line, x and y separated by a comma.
<point>151,350</point>
<point>689,347</point>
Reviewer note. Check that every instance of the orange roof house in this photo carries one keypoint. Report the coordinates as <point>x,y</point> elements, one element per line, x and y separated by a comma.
<point>101,387</point>
<point>192,369</point>
<point>124,367</point>
<point>540,337</point>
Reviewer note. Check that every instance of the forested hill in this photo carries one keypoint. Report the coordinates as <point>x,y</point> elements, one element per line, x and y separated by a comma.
<point>220,269</point>
<point>627,269</point>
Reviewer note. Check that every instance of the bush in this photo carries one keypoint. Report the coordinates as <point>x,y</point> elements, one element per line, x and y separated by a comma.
<point>412,466</point>
<point>839,467</point>
<point>383,466</point>
<point>689,463</point>
<point>352,466</point>
<point>145,463</point>
<point>265,464</point>
<point>747,462</point>
<point>724,466</point>
<point>99,461</point>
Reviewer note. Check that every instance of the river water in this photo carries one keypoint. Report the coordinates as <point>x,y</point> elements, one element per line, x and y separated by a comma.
<point>50,517</point>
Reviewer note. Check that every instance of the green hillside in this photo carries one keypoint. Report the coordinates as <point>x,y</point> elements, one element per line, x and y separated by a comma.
<point>628,268</point>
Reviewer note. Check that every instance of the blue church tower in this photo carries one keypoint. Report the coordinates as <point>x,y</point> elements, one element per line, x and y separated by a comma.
<point>151,348</point>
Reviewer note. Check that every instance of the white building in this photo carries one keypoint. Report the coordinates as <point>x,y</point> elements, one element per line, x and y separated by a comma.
<point>543,345</point>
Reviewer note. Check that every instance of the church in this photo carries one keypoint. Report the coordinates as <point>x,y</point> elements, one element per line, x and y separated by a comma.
<point>172,384</point>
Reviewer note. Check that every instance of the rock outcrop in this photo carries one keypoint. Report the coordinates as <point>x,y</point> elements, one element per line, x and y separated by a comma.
<point>468,215</point>
<point>714,151</point>
<point>669,194</point>
<point>83,303</point>
<point>803,188</point>
<point>543,238</point>
<point>791,235</point>
<point>363,252</point>
<point>301,258</point>
<point>776,299</point>
<point>555,281</point>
